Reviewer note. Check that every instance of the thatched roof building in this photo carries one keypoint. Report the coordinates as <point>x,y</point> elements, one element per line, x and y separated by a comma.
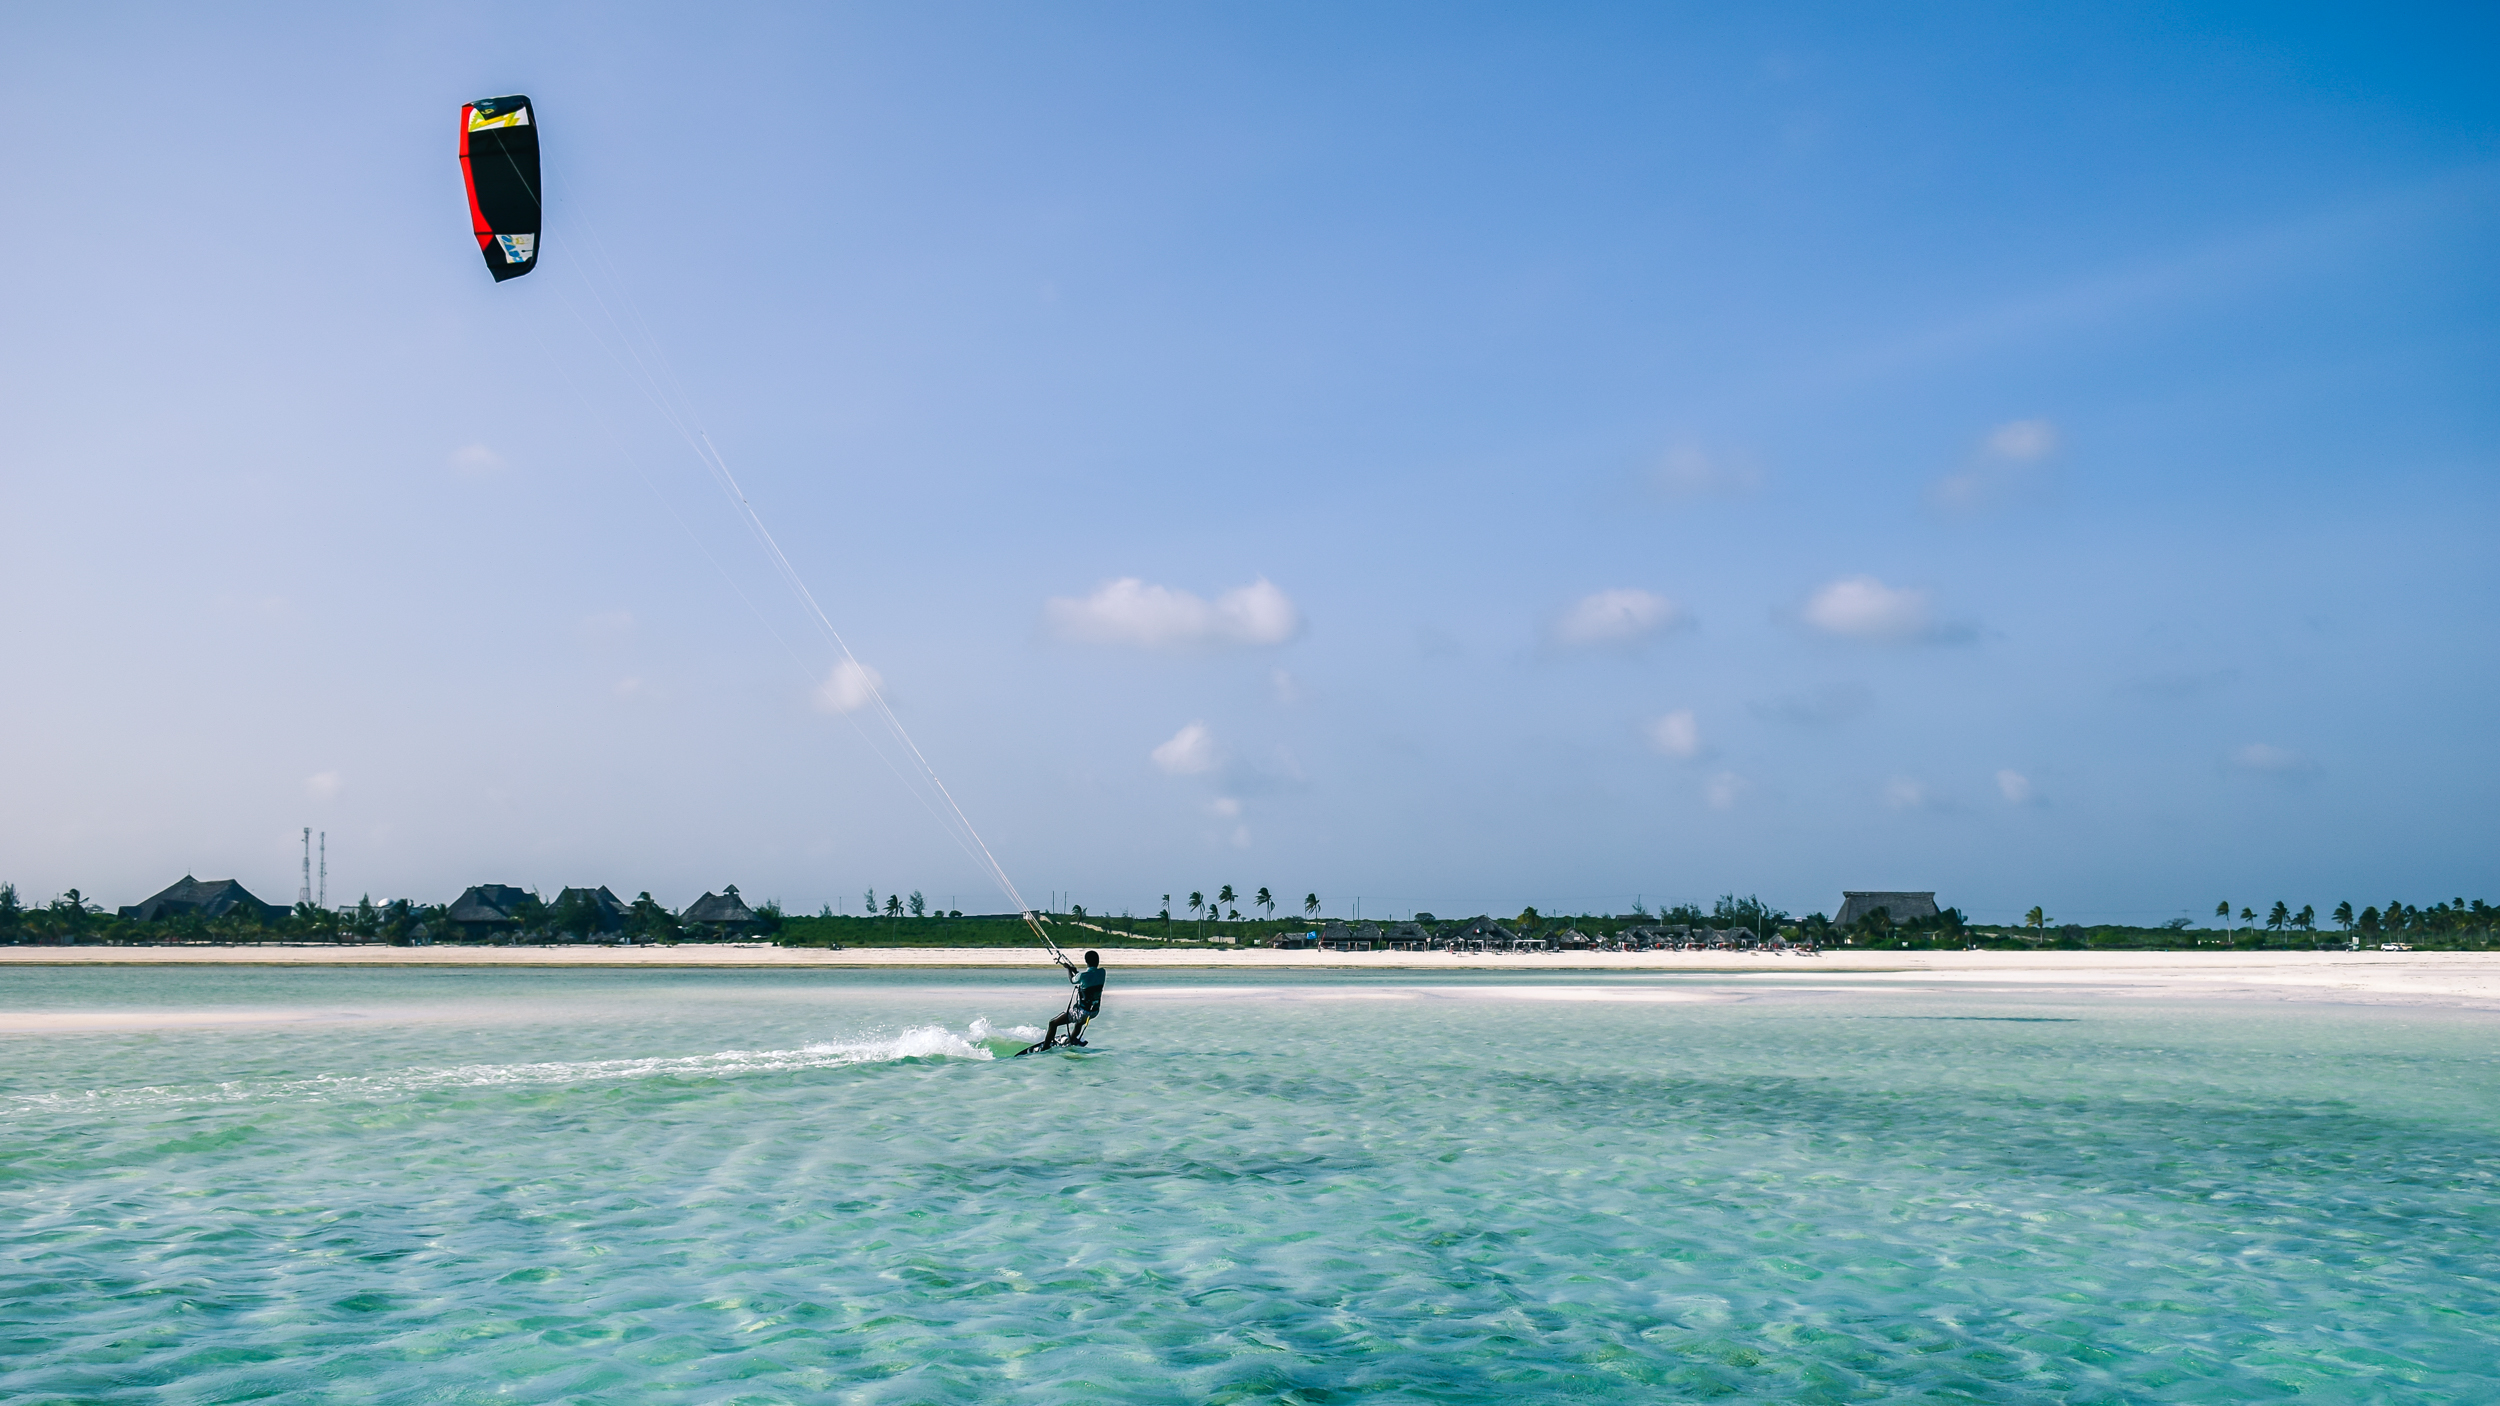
<point>609,911</point>
<point>202,898</point>
<point>1900,906</point>
<point>724,913</point>
<point>488,910</point>
<point>1481,929</point>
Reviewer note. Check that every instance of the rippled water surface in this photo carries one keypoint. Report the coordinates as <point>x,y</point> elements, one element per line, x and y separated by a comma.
<point>666,1187</point>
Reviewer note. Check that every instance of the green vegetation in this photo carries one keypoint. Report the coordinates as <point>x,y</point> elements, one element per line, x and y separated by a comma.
<point>2454,925</point>
<point>73,919</point>
<point>992,930</point>
<point>907,921</point>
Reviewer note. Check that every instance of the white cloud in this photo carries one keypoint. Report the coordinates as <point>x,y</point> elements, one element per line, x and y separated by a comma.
<point>1905,793</point>
<point>322,785</point>
<point>1224,807</point>
<point>474,461</point>
<point>1861,607</point>
<point>1287,688</point>
<point>1130,612</point>
<point>2259,756</point>
<point>850,687</point>
<point>1241,837</point>
<point>1724,790</point>
<point>2015,787</point>
<point>1619,616</point>
<point>1189,752</point>
<point>1678,734</point>
<point>2023,440</point>
<point>2010,464</point>
<point>1687,474</point>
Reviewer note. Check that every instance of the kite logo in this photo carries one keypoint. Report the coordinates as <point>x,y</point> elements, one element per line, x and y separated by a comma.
<point>480,119</point>
<point>518,248</point>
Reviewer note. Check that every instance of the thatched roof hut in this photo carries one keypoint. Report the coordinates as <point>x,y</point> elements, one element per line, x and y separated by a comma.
<point>1480,930</point>
<point>724,913</point>
<point>1408,937</point>
<point>488,910</point>
<point>608,911</point>
<point>1901,906</point>
<point>201,898</point>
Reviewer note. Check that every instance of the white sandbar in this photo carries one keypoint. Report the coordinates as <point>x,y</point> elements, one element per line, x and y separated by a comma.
<point>2444,977</point>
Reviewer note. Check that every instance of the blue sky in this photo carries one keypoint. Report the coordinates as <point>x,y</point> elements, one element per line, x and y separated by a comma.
<point>1456,457</point>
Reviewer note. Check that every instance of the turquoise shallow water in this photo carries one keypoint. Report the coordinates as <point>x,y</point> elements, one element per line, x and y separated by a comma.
<point>646,1187</point>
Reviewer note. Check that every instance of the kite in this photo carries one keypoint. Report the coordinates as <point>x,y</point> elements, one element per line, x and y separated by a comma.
<point>499,160</point>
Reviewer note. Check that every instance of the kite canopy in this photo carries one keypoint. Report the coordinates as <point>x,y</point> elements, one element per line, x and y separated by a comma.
<point>499,160</point>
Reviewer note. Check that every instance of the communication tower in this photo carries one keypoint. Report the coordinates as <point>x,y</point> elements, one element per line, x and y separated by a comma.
<point>304,894</point>
<point>321,895</point>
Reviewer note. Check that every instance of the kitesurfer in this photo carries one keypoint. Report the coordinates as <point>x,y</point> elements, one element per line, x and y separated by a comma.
<point>1082,1007</point>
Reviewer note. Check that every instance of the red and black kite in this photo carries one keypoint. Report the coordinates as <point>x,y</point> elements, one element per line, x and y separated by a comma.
<point>499,160</point>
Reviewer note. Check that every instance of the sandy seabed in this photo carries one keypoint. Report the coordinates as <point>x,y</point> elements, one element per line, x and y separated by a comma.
<point>2444,978</point>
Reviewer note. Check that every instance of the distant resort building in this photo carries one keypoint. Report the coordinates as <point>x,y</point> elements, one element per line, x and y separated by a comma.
<point>1341,937</point>
<point>1898,906</point>
<point>1408,937</point>
<point>723,914</point>
<point>202,898</point>
<point>1481,934</point>
<point>499,913</point>
<point>489,911</point>
<point>609,912</point>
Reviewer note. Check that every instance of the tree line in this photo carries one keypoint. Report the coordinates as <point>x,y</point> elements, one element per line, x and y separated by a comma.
<point>2453,922</point>
<point>2453,916</point>
<point>72,917</point>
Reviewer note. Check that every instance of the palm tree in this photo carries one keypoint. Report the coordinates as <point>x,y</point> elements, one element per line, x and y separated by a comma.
<point>1310,905</point>
<point>893,906</point>
<point>2306,919</point>
<point>2248,915</point>
<point>2343,915</point>
<point>1267,901</point>
<point>1225,896</point>
<point>2279,917</point>
<point>1197,901</point>
<point>2035,919</point>
<point>1167,910</point>
<point>2222,910</point>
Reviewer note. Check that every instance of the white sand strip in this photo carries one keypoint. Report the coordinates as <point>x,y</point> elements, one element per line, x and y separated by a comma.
<point>2472,976</point>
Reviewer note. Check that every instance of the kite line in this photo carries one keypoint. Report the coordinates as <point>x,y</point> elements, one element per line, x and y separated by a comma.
<point>506,126</point>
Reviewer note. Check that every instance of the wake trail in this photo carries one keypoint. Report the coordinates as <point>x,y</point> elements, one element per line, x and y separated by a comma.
<point>927,1042</point>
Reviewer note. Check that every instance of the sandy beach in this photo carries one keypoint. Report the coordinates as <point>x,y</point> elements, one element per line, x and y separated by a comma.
<point>2441,977</point>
